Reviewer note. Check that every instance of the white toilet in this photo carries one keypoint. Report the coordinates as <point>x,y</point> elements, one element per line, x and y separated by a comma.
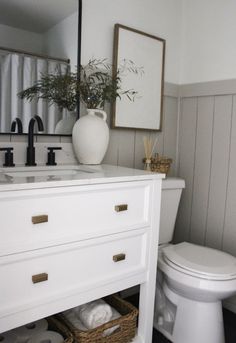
<point>191,281</point>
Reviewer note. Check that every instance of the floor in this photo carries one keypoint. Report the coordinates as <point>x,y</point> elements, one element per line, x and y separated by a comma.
<point>229,323</point>
<point>158,337</point>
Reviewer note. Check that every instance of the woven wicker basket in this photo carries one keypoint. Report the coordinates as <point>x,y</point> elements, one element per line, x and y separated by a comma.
<point>160,164</point>
<point>56,325</point>
<point>124,334</point>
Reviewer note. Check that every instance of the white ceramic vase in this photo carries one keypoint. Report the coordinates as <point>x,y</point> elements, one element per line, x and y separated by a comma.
<point>90,137</point>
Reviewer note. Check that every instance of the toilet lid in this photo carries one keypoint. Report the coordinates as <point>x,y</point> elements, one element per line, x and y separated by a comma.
<point>202,261</point>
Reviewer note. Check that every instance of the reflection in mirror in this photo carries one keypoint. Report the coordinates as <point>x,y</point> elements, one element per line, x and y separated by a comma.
<point>148,52</point>
<point>36,38</point>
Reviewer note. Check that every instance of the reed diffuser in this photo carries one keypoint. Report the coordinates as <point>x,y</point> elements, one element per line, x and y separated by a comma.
<point>149,146</point>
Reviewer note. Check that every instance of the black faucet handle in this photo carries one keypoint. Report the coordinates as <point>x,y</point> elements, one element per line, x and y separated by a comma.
<point>6,149</point>
<point>51,155</point>
<point>8,157</point>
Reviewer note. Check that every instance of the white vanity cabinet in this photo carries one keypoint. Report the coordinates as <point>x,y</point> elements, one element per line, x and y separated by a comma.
<point>66,243</point>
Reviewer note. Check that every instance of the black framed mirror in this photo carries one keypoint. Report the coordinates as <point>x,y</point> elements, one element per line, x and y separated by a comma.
<point>37,38</point>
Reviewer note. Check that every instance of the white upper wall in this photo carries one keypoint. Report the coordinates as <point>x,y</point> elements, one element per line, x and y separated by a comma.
<point>62,39</point>
<point>35,16</point>
<point>200,35</point>
<point>158,17</point>
<point>209,43</point>
<point>13,38</point>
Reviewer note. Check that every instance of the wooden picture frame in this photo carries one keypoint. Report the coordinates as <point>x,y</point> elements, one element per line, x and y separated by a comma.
<point>148,52</point>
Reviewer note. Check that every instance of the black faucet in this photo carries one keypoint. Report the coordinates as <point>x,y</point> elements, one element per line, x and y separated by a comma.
<point>17,122</point>
<point>30,159</point>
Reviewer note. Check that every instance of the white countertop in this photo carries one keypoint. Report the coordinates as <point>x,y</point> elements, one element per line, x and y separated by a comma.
<point>86,175</point>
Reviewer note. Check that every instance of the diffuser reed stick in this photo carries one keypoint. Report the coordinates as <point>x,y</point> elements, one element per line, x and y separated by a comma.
<point>149,146</point>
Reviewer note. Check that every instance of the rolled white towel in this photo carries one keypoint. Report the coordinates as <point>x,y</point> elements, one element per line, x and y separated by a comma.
<point>25,332</point>
<point>94,314</point>
<point>46,337</point>
<point>115,315</point>
<point>71,316</point>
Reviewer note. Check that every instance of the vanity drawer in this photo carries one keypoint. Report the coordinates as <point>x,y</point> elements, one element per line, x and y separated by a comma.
<point>40,218</point>
<point>40,277</point>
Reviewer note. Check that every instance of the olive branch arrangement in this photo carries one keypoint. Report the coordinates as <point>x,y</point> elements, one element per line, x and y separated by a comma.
<point>95,85</point>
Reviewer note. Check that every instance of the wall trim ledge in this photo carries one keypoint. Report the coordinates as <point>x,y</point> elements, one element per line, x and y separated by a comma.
<point>171,89</point>
<point>211,88</point>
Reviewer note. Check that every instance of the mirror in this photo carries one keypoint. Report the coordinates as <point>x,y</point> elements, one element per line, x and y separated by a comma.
<point>147,52</point>
<point>37,38</point>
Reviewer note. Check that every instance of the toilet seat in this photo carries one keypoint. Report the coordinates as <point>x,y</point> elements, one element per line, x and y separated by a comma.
<point>201,262</point>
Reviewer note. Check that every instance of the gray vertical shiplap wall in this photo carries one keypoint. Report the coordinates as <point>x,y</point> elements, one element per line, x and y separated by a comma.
<point>126,146</point>
<point>207,150</point>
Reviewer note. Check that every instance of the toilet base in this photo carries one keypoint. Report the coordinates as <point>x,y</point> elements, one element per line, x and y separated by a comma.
<point>195,322</point>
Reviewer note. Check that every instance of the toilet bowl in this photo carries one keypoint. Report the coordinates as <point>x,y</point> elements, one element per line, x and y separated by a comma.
<point>191,282</point>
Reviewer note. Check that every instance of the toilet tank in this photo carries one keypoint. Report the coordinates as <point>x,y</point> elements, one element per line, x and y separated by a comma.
<point>170,198</point>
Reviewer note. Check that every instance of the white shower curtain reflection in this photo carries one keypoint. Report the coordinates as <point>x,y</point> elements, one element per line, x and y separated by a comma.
<point>18,72</point>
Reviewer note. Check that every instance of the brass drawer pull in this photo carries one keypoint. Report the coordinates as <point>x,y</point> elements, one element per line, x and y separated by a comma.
<point>119,257</point>
<point>120,208</point>
<point>40,219</point>
<point>39,278</point>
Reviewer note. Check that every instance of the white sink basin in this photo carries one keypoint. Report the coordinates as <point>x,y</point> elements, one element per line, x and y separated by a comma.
<point>24,172</point>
